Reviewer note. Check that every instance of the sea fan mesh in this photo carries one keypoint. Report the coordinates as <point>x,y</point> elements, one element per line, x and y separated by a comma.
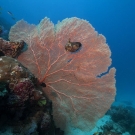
<point>74,81</point>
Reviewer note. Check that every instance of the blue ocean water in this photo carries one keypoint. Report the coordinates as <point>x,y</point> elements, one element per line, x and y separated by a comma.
<point>115,19</point>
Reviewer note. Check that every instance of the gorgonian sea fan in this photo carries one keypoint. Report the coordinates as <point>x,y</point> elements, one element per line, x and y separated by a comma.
<point>80,97</point>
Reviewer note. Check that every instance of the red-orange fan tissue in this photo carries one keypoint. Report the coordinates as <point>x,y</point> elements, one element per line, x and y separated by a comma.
<point>80,97</point>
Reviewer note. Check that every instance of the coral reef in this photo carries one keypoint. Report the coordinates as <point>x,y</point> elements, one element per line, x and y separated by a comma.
<point>34,120</point>
<point>11,49</point>
<point>19,80</point>
<point>20,96</point>
<point>111,128</point>
<point>107,133</point>
<point>119,120</point>
<point>74,80</point>
<point>124,116</point>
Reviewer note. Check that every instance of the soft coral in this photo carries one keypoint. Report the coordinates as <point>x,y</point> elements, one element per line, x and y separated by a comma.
<point>79,96</point>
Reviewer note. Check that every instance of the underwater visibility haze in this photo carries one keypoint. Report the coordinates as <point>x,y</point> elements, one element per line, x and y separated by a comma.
<point>67,67</point>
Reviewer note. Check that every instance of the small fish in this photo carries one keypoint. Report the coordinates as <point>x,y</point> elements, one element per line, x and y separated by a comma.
<point>14,18</point>
<point>69,60</point>
<point>9,13</point>
<point>73,46</point>
<point>43,84</point>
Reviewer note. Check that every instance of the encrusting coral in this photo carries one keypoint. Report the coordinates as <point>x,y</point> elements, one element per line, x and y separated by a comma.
<point>74,81</point>
<point>19,93</point>
<point>11,49</point>
<point>124,117</point>
<point>19,79</point>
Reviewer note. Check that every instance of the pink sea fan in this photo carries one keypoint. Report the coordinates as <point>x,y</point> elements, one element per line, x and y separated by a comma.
<point>80,97</point>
